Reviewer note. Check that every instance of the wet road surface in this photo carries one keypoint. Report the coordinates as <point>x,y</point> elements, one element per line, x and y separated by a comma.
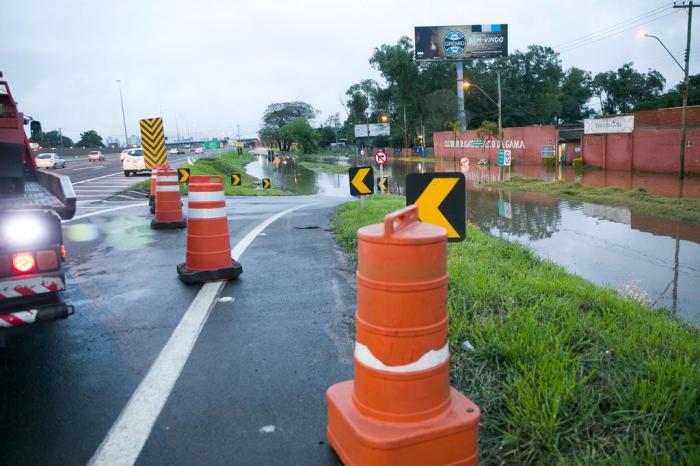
<point>253,389</point>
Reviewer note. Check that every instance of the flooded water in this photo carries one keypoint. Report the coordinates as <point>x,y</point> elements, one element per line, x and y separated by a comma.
<point>655,260</point>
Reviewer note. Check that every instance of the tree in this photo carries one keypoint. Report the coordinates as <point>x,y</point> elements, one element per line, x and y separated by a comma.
<point>674,96</point>
<point>53,139</point>
<point>90,139</point>
<point>622,90</point>
<point>277,115</point>
<point>300,131</point>
<point>326,135</point>
<point>576,91</point>
<point>487,130</point>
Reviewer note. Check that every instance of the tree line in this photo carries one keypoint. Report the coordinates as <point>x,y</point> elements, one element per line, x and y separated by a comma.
<point>54,138</point>
<point>420,98</point>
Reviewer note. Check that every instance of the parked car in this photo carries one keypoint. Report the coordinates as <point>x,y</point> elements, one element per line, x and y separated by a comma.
<point>49,160</point>
<point>133,162</point>
<point>123,153</point>
<point>95,155</point>
<point>199,150</point>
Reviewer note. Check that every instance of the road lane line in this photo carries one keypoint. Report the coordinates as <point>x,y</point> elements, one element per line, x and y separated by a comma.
<point>128,435</point>
<point>91,214</point>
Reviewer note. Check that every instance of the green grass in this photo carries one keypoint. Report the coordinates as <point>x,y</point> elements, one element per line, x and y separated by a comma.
<point>673,208</point>
<point>226,165</point>
<point>417,159</point>
<point>324,167</point>
<point>564,372</point>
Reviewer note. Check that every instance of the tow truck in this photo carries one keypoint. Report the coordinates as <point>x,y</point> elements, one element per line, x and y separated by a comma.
<point>32,205</point>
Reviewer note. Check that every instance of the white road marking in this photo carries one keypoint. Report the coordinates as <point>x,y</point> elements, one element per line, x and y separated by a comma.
<point>128,435</point>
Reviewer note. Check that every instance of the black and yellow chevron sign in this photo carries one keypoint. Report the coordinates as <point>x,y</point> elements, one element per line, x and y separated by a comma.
<point>236,179</point>
<point>183,175</point>
<point>153,141</point>
<point>266,183</point>
<point>383,184</point>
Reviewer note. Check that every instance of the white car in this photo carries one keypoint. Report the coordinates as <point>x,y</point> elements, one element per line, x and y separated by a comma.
<point>95,155</point>
<point>133,162</point>
<point>173,151</point>
<point>49,160</point>
<point>123,154</point>
<point>199,150</point>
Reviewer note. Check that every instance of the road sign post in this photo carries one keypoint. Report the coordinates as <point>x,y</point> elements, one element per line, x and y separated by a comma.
<point>361,182</point>
<point>183,175</point>
<point>441,199</point>
<point>381,158</point>
<point>236,179</point>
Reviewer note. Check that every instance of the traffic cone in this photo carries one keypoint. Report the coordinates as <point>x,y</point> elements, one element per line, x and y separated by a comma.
<point>208,255</point>
<point>168,205</point>
<point>400,408</point>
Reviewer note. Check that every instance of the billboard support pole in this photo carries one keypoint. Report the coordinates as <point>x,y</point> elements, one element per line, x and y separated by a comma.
<point>461,116</point>
<point>500,125</point>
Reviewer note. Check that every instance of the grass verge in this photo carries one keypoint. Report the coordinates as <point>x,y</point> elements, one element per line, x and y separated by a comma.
<point>679,209</point>
<point>226,165</point>
<point>323,167</point>
<point>564,372</point>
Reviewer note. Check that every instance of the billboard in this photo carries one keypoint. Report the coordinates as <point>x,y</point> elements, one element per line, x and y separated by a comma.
<point>461,42</point>
<point>375,129</point>
<point>621,124</point>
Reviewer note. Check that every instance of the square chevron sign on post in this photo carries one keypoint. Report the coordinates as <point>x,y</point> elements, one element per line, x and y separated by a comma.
<point>441,200</point>
<point>153,141</point>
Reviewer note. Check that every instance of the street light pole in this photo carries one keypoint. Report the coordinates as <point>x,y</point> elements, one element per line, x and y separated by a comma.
<point>684,117</point>
<point>461,114</point>
<point>121,98</point>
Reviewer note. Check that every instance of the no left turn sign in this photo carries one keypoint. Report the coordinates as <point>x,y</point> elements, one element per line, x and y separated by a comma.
<point>380,157</point>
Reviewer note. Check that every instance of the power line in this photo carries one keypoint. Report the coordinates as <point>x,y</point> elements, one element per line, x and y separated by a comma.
<point>569,49</point>
<point>607,29</point>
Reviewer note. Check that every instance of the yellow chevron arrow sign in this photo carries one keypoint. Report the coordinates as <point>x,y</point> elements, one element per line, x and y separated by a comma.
<point>383,184</point>
<point>236,179</point>
<point>361,181</point>
<point>153,141</point>
<point>441,199</point>
<point>183,175</point>
<point>266,183</point>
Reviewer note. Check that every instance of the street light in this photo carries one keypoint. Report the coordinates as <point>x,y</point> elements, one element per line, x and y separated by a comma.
<point>468,85</point>
<point>385,118</point>
<point>684,115</point>
<point>126,137</point>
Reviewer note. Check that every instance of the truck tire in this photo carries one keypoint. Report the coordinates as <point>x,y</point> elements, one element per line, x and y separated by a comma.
<point>126,173</point>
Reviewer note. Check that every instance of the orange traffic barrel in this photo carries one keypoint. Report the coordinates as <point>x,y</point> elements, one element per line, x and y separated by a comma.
<point>168,205</point>
<point>400,408</point>
<point>208,256</point>
<point>152,195</point>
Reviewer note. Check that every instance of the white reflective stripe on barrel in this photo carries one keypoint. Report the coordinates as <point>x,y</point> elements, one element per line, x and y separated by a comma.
<point>206,196</point>
<point>167,188</point>
<point>432,358</point>
<point>162,178</point>
<point>216,212</point>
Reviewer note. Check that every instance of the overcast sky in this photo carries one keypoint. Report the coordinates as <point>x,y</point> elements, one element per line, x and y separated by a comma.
<point>211,65</point>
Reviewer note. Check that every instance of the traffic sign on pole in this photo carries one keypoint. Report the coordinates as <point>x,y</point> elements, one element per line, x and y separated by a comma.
<point>212,145</point>
<point>152,142</point>
<point>441,199</point>
<point>504,157</point>
<point>236,179</point>
<point>380,157</point>
<point>266,183</point>
<point>361,181</point>
<point>383,184</point>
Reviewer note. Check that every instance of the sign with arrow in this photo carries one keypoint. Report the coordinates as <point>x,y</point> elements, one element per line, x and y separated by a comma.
<point>236,179</point>
<point>383,184</point>
<point>266,183</point>
<point>361,181</point>
<point>441,200</point>
<point>380,157</point>
<point>183,175</point>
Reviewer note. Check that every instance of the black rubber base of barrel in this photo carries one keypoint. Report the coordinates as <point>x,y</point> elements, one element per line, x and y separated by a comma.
<point>168,225</point>
<point>152,204</point>
<point>200,276</point>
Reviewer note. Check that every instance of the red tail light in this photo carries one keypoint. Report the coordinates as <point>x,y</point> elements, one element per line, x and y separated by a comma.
<point>23,262</point>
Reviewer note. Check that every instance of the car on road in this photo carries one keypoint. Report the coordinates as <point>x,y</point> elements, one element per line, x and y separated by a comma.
<point>133,162</point>
<point>95,155</point>
<point>199,150</point>
<point>49,160</point>
<point>172,151</point>
<point>122,154</point>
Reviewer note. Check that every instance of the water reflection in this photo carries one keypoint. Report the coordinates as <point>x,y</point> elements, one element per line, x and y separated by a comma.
<point>649,257</point>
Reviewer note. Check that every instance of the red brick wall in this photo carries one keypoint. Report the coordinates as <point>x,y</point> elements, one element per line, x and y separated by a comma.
<point>648,150</point>
<point>526,143</point>
<point>666,118</point>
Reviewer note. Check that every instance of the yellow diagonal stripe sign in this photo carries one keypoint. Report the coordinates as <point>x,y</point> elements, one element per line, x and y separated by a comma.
<point>235,179</point>
<point>266,183</point>
<point>183,175</point>
<point>361,180</point>
<point>441,201</point>
<point>153,141</point>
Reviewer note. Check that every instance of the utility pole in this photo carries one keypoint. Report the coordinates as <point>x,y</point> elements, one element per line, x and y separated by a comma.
<point>684,118</point>
<point>405,127</point>
<point>461,115</point>
<point>177,128</point>
<point>60,136</point>
<point>500,125</point>
<point>126,138</point>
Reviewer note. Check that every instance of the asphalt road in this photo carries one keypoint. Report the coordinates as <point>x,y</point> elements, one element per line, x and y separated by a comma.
<point>103,384</point>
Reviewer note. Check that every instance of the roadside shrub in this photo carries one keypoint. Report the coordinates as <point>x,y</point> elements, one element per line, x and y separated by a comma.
<point>549,161</point>
<point>578,162</point>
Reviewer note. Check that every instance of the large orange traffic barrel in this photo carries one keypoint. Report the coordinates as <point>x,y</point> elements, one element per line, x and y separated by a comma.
<point>400,408</point>
<point>152,194</point>
<point>208,256</point>
<point>168,204</point>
